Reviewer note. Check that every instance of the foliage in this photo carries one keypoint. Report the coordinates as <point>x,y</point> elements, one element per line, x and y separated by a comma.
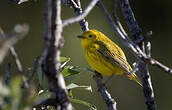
<point>14,96</point>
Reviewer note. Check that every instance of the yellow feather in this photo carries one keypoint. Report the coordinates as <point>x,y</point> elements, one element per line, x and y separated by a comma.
<point>104,56</point>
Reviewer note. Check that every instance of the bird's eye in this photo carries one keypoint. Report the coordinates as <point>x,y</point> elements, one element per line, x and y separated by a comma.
<point>90,36</point>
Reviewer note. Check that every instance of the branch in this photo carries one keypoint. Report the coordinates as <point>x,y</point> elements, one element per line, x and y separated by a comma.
<point>98,78</point>
<point>147,84</point>
<point>135,49</point>
<point>36,65</point>
<point>38,62</point>
<point>110,102</point>
<point>125,39</point>
<point>13,52</point>
<point>8,70</point>
<point>78,11</point>
<point>51,62</point>
<point>154,62</point>
<point>143,66</point>
<point>133,26</point>
<point>10,39</point>
<point>81,16</point>
<point>136,31</point>
<point>19,1</point>
<point>16,59</point>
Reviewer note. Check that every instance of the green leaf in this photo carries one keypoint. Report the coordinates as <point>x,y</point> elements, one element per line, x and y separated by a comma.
<point>15,86</point>
<point>73,86</point>
<point>16,92</point>
<point>91,107</point>
<point>80,69</point>
<point>70,70</point>
<point>70,93</point>
<point>64,61</point>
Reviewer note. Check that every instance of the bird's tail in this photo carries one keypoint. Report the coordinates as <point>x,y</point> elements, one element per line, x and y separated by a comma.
<point>135,78</point>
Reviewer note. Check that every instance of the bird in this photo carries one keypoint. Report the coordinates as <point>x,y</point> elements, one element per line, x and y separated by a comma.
<point>105,56</point>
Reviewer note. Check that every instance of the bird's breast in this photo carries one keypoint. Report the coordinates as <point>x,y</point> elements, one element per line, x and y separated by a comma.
<point>98,63</point>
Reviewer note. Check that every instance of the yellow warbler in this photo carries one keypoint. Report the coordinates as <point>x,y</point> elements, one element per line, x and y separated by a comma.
<point>104,56</point>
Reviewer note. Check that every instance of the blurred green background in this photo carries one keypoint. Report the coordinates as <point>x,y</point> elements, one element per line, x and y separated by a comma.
<point>152,15</point>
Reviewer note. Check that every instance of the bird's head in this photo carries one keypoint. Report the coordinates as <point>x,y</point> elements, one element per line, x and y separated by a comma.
<point>89,37</point>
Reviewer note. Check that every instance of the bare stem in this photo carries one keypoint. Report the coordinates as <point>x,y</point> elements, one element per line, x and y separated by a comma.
<point>16,58</point>
<point>51,62</point>
<point>110,102</point>
<point>78,11</point>
<point>131,21</point>
<point>143,66</point>
<point>17,33</point>
<point>19,1</point>
<point>81,16</point>
<point>8,70</point>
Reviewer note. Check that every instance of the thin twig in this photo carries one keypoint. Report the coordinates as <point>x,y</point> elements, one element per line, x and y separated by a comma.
<point>74,4</point>
<point>148,46</point>
<point>121,33</point>
<point>20,1</point>
<point>81,16</point>
<point>8,40</point>
<point>110,102</point>
<point>38,62</point>
<point>17,33</point>
<point>23,29</point>
<point>78,11</point>
<point>8,70</point>
<point>36,65</point>
<point>16,59</point>
<point>116,18</point>
<point>158,64</point>
<point>115,27</point>
<point>13,53</point>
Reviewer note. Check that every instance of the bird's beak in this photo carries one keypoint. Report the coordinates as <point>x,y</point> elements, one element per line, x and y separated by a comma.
<point>81,37</point>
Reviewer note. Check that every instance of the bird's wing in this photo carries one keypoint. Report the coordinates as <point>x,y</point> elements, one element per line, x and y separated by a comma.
<point>113,55</point>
